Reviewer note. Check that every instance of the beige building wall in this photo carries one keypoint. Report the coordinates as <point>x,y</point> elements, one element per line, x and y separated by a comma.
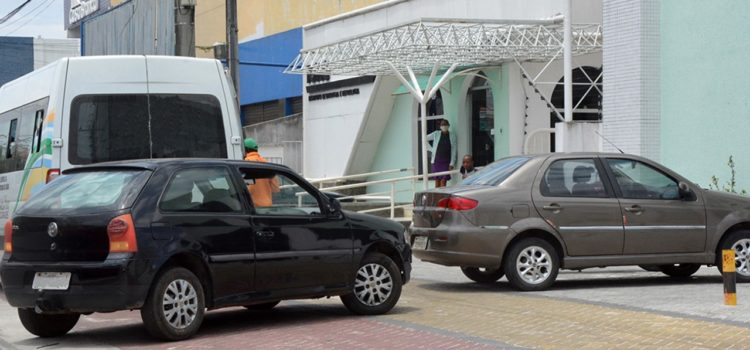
<point>259,18</point>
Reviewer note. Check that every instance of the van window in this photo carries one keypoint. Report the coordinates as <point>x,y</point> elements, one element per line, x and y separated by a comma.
<point>117,127</point>
<point>17,128</point>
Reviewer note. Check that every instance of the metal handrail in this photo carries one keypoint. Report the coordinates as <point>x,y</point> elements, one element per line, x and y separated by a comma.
<point>357,176</point>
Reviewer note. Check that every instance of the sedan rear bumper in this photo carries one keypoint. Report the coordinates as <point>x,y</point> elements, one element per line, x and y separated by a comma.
<point>461,246</point>
<point>111,285</point>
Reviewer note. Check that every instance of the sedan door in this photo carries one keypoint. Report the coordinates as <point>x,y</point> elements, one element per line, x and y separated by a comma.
<point>301,247</point>
<point>657,219</point>
<point>573,196</point>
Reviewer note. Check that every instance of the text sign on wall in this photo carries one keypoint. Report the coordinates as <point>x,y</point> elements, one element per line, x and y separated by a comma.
<point>81,8</point>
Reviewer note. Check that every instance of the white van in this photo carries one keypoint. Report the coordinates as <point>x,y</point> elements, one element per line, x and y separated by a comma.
<point>86,110</point>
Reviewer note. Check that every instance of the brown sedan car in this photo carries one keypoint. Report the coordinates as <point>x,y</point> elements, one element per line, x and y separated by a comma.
<point>526,217</point>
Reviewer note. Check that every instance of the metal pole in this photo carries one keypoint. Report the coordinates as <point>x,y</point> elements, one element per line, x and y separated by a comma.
<point>567,61</point>
<point>233,61</point>
<point>423,124</point>
<point>184,18</point>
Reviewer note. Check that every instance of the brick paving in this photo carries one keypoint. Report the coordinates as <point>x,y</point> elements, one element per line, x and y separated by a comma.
<point>430,315</point>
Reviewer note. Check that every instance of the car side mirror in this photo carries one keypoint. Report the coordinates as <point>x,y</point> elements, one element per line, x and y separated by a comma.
<point>334,207</point>
<point>685,192</point>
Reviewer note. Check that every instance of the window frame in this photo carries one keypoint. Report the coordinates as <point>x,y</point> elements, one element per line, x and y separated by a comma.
<point>616,185</point>
<point>609,191</point>
<point>324,212</point>
<point>232,181</point>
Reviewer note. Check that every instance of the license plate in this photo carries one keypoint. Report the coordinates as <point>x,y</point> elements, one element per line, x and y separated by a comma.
<point>51,281</point>
<point>420,242</point>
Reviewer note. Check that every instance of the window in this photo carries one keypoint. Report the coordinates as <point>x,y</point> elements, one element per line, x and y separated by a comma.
<point>495,173</point>
<point>201,190</point>
<point>18,128</point>
<point>117,127</point>
<point>640,181</point>
<point>90,191</point>
<point>573,178</point>
<point>275,193</point>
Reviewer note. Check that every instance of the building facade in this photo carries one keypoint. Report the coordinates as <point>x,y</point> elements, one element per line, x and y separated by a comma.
<point>356,125</point>
<point>22,55</point>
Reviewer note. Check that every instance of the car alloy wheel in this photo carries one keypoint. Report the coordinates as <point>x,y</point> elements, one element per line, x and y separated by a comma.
<point>534,265</point>
<point>373,284</point>
<point>180,304</point>
<point>742,256</point>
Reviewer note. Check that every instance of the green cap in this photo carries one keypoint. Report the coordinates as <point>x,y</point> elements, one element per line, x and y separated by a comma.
<point>251,144</point>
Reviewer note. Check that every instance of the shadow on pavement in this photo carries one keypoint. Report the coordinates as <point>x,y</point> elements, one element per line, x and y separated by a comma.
<point>571,284</point>
<point>216,325</point>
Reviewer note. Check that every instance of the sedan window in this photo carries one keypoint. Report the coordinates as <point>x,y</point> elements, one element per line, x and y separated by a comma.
<point>201,190</point>
<point>494,174</point>
<point>638,180</point>
<point>573,178</point>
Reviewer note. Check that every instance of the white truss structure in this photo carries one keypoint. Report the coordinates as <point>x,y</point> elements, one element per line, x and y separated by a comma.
<point>426,45</point>
<point>422,44</point>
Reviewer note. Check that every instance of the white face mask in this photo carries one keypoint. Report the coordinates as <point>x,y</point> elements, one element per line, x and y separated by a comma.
<point>444,127</point>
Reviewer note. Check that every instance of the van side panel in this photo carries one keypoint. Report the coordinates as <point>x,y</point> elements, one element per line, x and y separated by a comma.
<point>24,102</point>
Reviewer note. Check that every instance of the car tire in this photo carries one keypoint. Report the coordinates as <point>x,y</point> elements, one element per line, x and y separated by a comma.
<point>531,264</point>
<point>740,242</point>
<point>679,270</point>
<point>376,288</point>
<point>181,317</point>
<point>263,306</point>
<point>47,325</point>
<point>483,275</point>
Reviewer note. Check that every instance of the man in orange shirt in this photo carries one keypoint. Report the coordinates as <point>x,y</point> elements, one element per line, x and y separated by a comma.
<point>262,191</point>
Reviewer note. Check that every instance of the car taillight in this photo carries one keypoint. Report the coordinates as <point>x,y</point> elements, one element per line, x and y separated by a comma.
<point>52,174</point>
<point>457,203</point>
<point>8,246</point>
<point>121,232</point>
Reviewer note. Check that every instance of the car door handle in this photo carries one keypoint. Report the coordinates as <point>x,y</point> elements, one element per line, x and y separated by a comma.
<point>264,234</point>
<point>553,206</point>
<point>634,209</point>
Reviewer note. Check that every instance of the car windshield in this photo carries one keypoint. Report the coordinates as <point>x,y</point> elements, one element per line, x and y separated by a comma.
<point>87,192</point>
<point>495,173</point>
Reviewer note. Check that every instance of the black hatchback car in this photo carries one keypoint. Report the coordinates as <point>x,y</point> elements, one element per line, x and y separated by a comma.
<point>176,237</point>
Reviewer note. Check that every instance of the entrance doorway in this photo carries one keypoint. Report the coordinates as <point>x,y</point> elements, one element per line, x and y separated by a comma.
<point>482,121</point>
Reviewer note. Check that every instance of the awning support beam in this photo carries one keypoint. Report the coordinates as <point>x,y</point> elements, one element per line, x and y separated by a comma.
<point>423,98</point>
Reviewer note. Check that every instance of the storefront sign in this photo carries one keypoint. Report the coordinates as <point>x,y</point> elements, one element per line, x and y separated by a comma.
<point>81,8</point>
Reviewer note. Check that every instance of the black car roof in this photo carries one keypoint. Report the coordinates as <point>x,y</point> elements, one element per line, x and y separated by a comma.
<point>154,164</point>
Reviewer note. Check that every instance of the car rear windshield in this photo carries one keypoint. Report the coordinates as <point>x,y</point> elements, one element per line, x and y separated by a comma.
<point>136,126</point>
<point>87,192</point>
<point>495,173</point>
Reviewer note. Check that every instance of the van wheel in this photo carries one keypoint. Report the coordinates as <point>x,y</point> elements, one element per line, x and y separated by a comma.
<point>483,275</point>
<point>175,306</point>
<point>377,286</point>
<point>650,267</point>
<point>531,264</point>
<point>263,306</point>
<point>47,326</point>
<point>739,241</point>
<point>679,270</point>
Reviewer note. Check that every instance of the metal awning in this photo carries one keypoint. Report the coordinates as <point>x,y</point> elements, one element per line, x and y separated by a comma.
<point>426,45</point>
<point>429,41</point>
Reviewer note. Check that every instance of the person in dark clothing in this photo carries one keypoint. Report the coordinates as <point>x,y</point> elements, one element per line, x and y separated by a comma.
<point>444,152</point>
<point>467,166</point>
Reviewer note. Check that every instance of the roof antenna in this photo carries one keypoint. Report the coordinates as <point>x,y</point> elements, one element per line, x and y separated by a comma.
<point>608,141</point>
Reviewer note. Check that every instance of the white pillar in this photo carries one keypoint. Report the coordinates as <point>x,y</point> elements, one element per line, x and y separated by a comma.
<point>567,61</point>
<point>423,125</point>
